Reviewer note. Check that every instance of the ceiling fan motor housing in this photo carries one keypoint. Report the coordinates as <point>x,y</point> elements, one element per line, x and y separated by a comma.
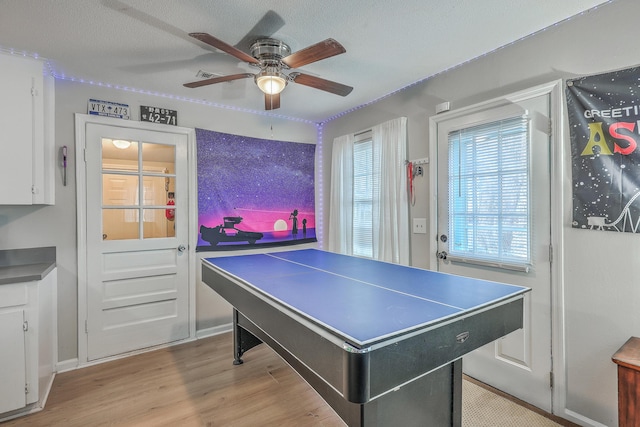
<point>270,51</point>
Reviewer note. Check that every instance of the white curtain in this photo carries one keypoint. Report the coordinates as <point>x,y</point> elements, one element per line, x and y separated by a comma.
<point>341,198</point>
<point>391,207</point>
<point>391,204</point>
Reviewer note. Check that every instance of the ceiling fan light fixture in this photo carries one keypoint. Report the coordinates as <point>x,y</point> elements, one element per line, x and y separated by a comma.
<point>270,81</point>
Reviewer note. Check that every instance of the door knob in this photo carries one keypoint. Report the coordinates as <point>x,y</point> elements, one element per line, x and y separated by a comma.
<point>441,255</point>
<point>181,248</point>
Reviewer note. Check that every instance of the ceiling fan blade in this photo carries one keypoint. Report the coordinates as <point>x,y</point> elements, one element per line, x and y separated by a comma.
<point>264,29</point>
<point>213,80</point>
<point>322,84</point>
<point>324,49</point>
<point>225,47</point>
<point>271,102</point>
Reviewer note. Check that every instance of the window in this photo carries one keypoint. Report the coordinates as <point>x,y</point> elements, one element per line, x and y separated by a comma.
<point>489,212</point>
<point>364,183</point>
<point>369,207</point>
<point>137,179</point>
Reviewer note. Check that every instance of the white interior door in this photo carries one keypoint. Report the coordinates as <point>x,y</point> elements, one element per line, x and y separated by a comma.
<point>137,262</point>
<point>520,363</point>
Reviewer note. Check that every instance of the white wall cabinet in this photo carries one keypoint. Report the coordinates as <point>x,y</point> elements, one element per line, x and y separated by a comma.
<point>28,332</point>
<point>27,163</point>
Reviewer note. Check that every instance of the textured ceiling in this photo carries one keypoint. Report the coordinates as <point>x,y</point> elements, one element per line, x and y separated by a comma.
<point>144,44</point>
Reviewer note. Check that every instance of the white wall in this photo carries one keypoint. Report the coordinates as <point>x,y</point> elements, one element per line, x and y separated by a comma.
<point>602,273</point>
<point>24,227</point>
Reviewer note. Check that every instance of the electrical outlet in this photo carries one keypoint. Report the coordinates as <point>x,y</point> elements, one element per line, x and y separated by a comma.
<point>420,225</point>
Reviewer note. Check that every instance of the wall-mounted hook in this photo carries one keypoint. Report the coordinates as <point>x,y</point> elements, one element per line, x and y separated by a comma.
<point>64,165</point>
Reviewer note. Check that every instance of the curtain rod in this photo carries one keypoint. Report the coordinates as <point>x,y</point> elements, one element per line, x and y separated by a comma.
<point>361,132</point>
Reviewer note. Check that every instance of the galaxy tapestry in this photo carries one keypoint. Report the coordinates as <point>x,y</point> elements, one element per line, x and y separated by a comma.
<point>254,192</point>
<point>604,117</point>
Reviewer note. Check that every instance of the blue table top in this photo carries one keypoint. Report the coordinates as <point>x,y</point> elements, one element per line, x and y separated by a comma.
<point>362,300</point>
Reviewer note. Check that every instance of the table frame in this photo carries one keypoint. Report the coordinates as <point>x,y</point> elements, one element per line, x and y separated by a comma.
<point>413,378</point>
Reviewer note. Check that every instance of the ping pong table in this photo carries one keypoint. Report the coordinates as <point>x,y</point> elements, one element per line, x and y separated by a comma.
<point>380,342</point>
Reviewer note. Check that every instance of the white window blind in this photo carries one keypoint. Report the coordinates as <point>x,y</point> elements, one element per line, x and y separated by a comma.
<point>489,215</point>
<point>364,187</point>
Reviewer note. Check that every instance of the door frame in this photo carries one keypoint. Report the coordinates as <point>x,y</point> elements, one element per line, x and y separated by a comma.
<point>557,155</point>
<point>81,122</point>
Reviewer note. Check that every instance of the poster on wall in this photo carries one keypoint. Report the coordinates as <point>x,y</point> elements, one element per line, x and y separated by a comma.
<point>604,121</point>
<point>253,192</point>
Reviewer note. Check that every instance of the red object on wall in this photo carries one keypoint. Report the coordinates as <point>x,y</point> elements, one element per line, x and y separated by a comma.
<point>170,213</point>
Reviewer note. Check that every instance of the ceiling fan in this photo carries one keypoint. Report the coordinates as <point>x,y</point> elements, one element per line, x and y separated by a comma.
<point>273,58</point>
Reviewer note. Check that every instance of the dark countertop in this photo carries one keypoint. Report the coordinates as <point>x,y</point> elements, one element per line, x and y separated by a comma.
<point>26,265</point>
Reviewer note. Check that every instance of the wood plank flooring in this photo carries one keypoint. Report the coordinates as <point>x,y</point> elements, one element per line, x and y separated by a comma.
<point>193,384</point>
<point>196,384</point>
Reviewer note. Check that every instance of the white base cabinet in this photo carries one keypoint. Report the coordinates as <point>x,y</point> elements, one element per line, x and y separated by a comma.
<point>28,354</point>
<point>12,360</point>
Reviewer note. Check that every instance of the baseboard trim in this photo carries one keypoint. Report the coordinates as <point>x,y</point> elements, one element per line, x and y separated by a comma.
<point>67,365</point>
<point>216,330</point>
<point>585,421</point>
<point>72,364</point>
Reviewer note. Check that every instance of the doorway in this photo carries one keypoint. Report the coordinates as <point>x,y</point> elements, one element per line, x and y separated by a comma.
<point>505,231</point>
<point>135,260</point>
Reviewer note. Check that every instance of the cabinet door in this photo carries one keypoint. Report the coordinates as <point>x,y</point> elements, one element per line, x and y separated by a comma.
<point>21,87</point>
<point>12,361</point>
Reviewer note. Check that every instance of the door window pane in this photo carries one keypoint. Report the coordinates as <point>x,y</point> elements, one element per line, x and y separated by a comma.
<point>489,212</point>
<point>157,189</point>
<point>158,155</point>
<point>119,190</point>
<point>120,224</point>
<point>119,155</point>
<point>133,175</point>
<point>157,224</point>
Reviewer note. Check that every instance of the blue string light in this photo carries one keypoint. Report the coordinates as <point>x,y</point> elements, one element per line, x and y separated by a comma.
<point>319,185</point>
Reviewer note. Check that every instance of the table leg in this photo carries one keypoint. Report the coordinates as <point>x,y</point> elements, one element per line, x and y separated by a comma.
<point>243,340</point>
<point>432,400</point>
<point>456,393</point>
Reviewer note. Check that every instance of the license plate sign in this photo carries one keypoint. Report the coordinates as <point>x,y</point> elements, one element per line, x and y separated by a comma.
<point>107,108</point>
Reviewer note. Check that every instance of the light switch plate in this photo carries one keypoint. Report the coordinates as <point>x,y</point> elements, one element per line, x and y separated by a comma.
<point>420,225</point>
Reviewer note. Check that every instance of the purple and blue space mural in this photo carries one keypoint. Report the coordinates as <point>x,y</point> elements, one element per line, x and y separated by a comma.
<point>253,192</point>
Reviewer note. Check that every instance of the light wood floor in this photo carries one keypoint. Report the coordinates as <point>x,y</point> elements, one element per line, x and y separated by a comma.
<point>193,384</point>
